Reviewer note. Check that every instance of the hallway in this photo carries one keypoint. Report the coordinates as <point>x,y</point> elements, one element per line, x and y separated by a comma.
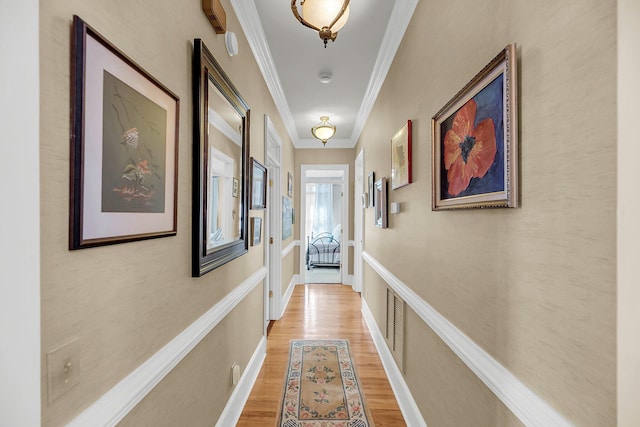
<point>321,311</point>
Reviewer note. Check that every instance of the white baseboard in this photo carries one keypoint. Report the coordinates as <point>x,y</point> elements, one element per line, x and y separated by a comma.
<point>232,411</point>
<point>295,279</point>
<point>530,408</point>
<point>348,279</point>
<point>407,404</point>
<point>115,404</point>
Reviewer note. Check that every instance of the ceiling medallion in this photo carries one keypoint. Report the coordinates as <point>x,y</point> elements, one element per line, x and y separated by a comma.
<point>326,17</point>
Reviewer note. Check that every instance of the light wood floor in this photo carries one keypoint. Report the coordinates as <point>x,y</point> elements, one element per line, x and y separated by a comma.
<point>321,311</point>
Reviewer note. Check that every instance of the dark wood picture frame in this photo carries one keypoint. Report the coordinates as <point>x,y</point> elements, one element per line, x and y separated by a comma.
<point>258,185</point>
<point>371,185</point>
<point>256,230</point>
<point>208,75</point>
<point>380,208</point>
<point>123,170</point>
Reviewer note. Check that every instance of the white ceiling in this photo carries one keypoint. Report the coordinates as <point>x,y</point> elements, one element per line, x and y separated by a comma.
<point>292,56</point>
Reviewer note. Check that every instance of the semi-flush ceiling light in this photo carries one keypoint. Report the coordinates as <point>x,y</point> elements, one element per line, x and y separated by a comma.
<point>326,17</point>
<point>323,130</point>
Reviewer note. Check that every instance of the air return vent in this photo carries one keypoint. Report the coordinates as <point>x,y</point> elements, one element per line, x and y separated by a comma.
<point>394,330</point>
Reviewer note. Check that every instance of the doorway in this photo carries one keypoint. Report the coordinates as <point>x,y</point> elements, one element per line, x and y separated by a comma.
<point>324,223</point>
<point>273,225</point>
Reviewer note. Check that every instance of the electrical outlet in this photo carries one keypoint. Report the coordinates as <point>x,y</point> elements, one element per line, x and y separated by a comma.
<point>63,368</point>
<point>235,373</point>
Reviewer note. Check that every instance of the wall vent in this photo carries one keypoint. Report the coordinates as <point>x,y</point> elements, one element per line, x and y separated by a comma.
<point>394,329</point>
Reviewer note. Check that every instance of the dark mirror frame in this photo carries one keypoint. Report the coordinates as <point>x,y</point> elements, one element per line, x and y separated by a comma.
<point>207,70</point>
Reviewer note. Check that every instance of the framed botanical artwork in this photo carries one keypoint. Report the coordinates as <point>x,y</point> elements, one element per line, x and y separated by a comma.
<point>236,184</point>
<point>401,157</point>
<point>475,141</point>
<point>124,147</point>
<point>289,184</point>
<point>380,204</point>
<point>256,230</point>
<point>258,185</point>
<point>371,184</point>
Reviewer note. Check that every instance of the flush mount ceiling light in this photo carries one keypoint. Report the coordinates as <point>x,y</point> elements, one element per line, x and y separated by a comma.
<point>323,130</point>
<point>326,17</point>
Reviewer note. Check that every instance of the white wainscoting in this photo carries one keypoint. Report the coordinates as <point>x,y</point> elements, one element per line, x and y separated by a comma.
<point>232,411</point>
<point>530,408</point>
<point>115,404</point>
<point>407,404</point>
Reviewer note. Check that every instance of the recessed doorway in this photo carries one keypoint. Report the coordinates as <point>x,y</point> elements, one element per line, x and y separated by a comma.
<point>323,223</point>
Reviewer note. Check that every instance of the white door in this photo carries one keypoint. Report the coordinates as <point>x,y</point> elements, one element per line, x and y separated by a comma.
<point>273,225</point>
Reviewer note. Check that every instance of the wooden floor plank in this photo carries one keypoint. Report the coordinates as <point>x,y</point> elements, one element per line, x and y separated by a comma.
<point>322,312</point>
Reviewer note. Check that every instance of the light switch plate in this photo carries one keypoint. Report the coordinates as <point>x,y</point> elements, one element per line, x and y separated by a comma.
<point>63,368</point>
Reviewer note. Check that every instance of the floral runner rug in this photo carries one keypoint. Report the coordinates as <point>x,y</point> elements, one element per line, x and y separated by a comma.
<point>321,387</point>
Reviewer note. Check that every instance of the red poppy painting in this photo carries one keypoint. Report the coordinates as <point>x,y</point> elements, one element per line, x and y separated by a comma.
<point>474,141</point>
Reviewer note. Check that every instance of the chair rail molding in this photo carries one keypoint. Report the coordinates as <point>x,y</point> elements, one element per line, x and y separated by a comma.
<point>233,410</point>
<point>115,404</point>
<point>407,404</point>
<point>530,408</point>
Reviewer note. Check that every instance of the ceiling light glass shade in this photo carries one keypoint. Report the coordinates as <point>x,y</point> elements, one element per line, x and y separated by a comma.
<point>326,17</point>
<point>321,13</point>
<point>323,130</point>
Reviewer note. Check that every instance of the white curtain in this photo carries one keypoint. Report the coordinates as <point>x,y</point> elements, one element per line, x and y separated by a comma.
<point>323,209</point>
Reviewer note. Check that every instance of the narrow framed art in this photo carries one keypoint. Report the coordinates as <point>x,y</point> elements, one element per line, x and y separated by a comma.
<point>236,185</point>
<point>380,204</point>
<point>289,184</point>
<point>258,185</point>
<point>371,186</point>
<point>124,147</point>
<point>256,230</point>
<point>475,141</point>
<point>401,157</point>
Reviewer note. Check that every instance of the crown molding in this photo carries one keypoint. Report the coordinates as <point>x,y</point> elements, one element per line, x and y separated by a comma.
<point>332,143</point>
<point>252,27</point>
<point>398,23</point>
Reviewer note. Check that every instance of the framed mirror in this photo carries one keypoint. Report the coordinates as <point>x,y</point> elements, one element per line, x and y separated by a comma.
<point>220,166</point>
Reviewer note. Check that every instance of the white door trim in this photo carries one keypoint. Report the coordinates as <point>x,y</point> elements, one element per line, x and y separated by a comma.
<point>272,224</point>
<point>20,329</point>
<point>344,247</point>
<point>358,222</point>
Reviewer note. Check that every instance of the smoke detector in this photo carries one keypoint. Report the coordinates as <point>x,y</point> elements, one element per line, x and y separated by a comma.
<point>325,76</point>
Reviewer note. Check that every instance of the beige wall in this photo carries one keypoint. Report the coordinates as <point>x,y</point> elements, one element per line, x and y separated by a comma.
<point>534,286</point>
<point>126,301</point>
